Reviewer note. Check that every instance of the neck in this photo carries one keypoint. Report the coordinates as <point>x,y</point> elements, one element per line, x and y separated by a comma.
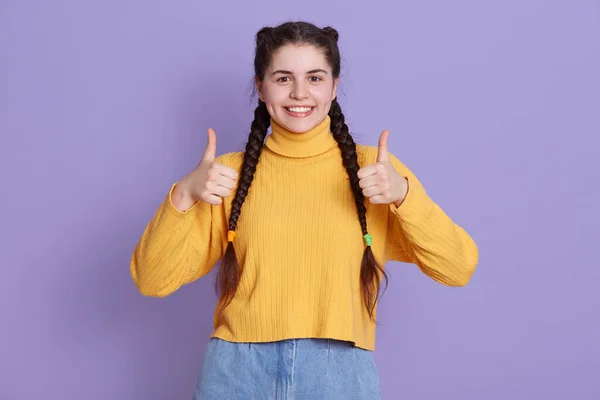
<point>301,145</point>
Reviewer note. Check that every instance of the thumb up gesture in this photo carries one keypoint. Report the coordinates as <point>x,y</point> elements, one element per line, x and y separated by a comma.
<point>209,181</point>
<point>380,182</point>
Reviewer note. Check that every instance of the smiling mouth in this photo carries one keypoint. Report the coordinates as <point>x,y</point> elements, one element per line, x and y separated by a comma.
<point>299,111</point>
<point>302,109</point>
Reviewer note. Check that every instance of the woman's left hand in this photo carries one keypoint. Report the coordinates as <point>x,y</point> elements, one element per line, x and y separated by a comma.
<point>380,182</point>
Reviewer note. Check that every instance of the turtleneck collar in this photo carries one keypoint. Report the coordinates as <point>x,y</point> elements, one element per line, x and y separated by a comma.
<point>301,145</point>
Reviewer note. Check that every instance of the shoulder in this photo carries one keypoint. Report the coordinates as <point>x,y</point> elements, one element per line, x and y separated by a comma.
<point>366,155</point>
<point>232,160</point>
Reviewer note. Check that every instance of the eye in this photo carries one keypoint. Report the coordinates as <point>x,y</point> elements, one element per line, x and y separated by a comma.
<point>315,79</point>
<point>284,79</point>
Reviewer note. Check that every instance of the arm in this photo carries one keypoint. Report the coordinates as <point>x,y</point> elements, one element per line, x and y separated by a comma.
<point>177,247</point>
<point>419,232</point>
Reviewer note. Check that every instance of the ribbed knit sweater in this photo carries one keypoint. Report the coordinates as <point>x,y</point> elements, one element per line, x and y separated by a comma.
<point>299,243</point>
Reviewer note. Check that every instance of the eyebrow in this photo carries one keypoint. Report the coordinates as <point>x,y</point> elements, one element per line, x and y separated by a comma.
<point>312,71</point>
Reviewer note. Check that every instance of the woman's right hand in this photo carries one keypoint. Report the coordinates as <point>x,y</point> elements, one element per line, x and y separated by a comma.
<point>209,181</point>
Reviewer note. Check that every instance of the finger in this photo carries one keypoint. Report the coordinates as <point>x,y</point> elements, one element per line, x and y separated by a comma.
<point>212,199</point>
<point>210,152</point>
<point>367,171</point>
<point>368,181</point>
<point>372,191</point>
<point>226,171</point>
<point>226,182</point>
<point>217,190</point>
<point>379,199</point>
<point>382,151</point>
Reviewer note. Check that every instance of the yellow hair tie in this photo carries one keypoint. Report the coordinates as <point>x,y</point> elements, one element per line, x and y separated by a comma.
<point>230,236</point>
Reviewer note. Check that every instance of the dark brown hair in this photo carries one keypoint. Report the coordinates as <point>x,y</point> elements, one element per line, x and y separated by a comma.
<point>268,40</point>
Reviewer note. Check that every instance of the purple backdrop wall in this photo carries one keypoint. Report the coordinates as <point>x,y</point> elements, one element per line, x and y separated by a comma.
<point>496,107</point>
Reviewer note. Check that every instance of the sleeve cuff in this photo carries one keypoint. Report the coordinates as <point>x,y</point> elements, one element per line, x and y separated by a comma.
<point>171,207</point>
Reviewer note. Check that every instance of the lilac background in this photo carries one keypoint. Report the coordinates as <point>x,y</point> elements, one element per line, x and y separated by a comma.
<point>495,106</point>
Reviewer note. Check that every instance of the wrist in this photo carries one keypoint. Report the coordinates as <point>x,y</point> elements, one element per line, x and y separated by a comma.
<point>399,202</point>
<point>181,196</point>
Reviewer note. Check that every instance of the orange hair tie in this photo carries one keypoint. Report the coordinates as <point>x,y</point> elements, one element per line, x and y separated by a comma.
<point>230,236</point>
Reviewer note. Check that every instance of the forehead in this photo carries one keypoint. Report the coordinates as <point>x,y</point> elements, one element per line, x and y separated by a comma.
<point>298,58</point>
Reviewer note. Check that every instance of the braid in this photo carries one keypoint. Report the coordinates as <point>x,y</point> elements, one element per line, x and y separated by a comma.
<point>349,159</point>
<point>369,277</point>
<point>229,271</point>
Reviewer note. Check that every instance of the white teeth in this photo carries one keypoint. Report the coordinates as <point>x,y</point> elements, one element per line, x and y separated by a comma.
<point>299,109</point>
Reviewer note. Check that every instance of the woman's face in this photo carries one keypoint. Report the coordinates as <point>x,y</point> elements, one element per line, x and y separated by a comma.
<point>298,87</point>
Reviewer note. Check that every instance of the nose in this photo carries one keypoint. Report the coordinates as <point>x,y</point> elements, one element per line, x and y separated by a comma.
<point>299,91</point>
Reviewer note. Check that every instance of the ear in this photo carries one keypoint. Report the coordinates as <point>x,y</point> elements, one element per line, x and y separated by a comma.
<point>259,88</point>
<point>334,91</point>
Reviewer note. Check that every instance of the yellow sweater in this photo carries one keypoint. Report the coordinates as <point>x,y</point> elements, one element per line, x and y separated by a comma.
<point>300,244</point>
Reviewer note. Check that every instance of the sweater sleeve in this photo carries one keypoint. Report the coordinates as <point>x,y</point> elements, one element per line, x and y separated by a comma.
<point>419,232</point>
<point>177,247</point>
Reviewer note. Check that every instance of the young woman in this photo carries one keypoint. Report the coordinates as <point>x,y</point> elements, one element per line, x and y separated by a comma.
<point>303,240</point>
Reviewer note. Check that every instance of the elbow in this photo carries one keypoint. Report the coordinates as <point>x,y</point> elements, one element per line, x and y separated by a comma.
<point>146,284</point>
<point>149,290</point>
<point>464,271</point>
<point>149,286</point>
<point>459,280</point>
<point>464,266</point>
<point>457,273</point>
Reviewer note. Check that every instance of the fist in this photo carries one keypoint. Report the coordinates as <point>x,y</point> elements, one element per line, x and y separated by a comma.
<point>380,182</point>
<point>215,180</point>
<point>209,181</point>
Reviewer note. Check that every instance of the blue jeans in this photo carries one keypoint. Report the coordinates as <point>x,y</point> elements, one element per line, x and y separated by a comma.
<point>295,369</point>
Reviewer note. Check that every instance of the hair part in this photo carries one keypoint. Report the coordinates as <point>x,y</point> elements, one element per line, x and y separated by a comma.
<point>268,41</point>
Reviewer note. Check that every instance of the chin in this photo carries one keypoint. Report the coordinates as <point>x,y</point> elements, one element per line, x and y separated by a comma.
<point>299,125</point>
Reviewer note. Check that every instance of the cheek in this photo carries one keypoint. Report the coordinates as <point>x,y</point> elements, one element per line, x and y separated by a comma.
<point>323,94</point>
<point>273,95</point>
